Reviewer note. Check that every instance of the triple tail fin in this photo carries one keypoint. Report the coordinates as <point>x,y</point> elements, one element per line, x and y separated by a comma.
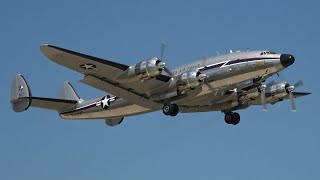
<point>68,92</point>
<point>22,99</point>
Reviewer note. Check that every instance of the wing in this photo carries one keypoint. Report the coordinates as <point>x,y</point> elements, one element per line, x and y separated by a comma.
<point>82,63</point>
<point>105,72</point>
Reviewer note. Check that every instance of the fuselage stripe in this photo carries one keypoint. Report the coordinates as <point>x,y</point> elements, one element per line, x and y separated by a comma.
<point>232,62</point>
<point>88,106</point>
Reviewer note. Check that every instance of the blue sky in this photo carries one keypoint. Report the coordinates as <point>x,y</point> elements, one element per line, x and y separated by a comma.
<point>37,144</point>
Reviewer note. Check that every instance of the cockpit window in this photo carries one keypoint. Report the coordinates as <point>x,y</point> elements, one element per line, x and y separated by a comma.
<point>267,52</point>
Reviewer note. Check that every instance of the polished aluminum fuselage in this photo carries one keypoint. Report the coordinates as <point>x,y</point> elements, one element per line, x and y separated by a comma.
<point>225,73</point>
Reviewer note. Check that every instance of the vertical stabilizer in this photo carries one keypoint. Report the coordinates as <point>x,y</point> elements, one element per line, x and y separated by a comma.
<point>68,92</point>
<point>20,94</point>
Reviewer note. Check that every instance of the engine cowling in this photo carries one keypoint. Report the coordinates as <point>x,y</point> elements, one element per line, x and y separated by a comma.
<point>149,68</point>
<point>278,91</point>
<point>273,92</point>
<point>143,70</point>
<point>190,80</point>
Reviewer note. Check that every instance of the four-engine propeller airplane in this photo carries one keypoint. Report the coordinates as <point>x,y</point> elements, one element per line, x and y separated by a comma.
<point>223,83</point>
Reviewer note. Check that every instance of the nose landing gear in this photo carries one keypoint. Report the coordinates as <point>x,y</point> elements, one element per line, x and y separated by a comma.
<point>232,118</point>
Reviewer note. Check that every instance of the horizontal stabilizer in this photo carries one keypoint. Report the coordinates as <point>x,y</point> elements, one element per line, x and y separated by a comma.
<point>21,98</point>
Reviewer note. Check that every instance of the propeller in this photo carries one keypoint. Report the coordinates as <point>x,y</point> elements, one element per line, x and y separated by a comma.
<point>263,97</point>
<point>289,89</point>
<point>162,50</point>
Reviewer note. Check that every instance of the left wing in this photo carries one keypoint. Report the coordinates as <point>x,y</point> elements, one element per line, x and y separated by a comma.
<point>104,72</point>
<point>82,63</point>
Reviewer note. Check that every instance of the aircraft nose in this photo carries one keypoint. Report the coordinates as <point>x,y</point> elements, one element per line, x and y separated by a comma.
<point>286,60</point>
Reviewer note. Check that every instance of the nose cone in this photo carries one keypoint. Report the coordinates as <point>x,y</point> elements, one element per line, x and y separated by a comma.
<point>286,60</point>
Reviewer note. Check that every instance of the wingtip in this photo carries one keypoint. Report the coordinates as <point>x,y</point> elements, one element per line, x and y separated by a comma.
<point>44,45</point>
<point>47,50</point>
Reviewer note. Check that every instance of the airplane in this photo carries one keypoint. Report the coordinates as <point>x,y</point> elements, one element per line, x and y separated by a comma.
<point>225,83</point>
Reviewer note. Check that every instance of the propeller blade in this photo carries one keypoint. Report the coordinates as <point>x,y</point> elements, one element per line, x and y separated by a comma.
<point>263,100</point>
<point>299,83</point>
<point>162,50</point>
<point>208,85</point>
<point>168,71</point>
<point>293,106</point>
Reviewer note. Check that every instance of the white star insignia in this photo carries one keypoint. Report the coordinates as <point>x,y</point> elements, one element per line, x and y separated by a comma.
<point>88,66</point>
<point>105,102</point>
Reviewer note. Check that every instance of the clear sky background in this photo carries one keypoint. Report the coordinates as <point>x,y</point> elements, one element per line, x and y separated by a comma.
<point>37,144</point>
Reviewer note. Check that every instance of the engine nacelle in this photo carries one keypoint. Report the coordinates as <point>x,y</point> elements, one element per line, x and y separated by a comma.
<point>114,122</point>
<point>143,70</point>
<point>250,96</point>
<point>149,68</point>
<point>190,80</point>
<point>277,91</point>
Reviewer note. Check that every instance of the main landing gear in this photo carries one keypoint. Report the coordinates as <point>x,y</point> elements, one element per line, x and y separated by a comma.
<point>170,109</point>
<point>232,118</point>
